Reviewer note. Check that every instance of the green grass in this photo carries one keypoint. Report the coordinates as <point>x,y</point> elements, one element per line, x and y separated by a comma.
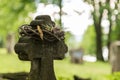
<point>11,63</point>
<point>95,71</point>
<point>64,70</point>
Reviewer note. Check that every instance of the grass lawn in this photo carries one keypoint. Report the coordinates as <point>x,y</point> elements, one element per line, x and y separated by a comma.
<point>64,70</point>
<point>95,71</point>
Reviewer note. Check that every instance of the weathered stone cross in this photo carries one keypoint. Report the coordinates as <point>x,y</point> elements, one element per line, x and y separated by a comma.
<point>41,54</point>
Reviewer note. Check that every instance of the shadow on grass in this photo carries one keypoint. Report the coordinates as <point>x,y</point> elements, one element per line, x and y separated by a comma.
<point>14,76</point>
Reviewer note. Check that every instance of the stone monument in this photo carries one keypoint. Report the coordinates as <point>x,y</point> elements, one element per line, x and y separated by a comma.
<point>115,56</point>
<point>41,43</point>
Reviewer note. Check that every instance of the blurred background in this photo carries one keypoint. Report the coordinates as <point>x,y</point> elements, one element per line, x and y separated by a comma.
<point>90,26</point>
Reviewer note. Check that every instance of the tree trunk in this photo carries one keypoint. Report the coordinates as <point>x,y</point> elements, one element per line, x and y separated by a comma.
<point>99,45</point>
<point>60,13</point>
<point>109,39</point>
<point>97,24</point>
<point>110,27</point>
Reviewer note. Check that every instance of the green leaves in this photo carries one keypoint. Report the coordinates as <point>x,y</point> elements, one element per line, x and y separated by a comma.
<point>89,41</point>
<point>13,13</point>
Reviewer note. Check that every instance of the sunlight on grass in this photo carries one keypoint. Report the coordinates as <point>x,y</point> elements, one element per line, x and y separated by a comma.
<point>3,51</point>
<point>95,71</point>
<point>64,70</point>
<point>11,63</point>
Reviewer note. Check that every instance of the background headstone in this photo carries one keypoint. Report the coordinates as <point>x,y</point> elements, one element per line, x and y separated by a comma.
<point>115,56</point>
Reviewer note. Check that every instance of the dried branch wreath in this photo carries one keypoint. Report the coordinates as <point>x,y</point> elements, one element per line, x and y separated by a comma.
<point>40,29</point>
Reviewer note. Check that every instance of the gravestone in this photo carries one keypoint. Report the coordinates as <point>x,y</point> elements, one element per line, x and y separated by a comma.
<point>115,56</point>
<point>41,46</point>
<point>10,42</point>
<point>76,55</point>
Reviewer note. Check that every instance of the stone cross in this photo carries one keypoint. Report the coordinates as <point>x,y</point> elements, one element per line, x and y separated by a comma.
<point>41,53</point>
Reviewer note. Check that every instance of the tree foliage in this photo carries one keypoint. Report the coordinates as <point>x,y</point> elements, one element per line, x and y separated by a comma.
<point>59,4</point>
<point>97,14</point>
<point>110,10</point>
<point>69,39</point>
<point>116,27</point>
<point>14,13</point>
<point>88,41</point>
